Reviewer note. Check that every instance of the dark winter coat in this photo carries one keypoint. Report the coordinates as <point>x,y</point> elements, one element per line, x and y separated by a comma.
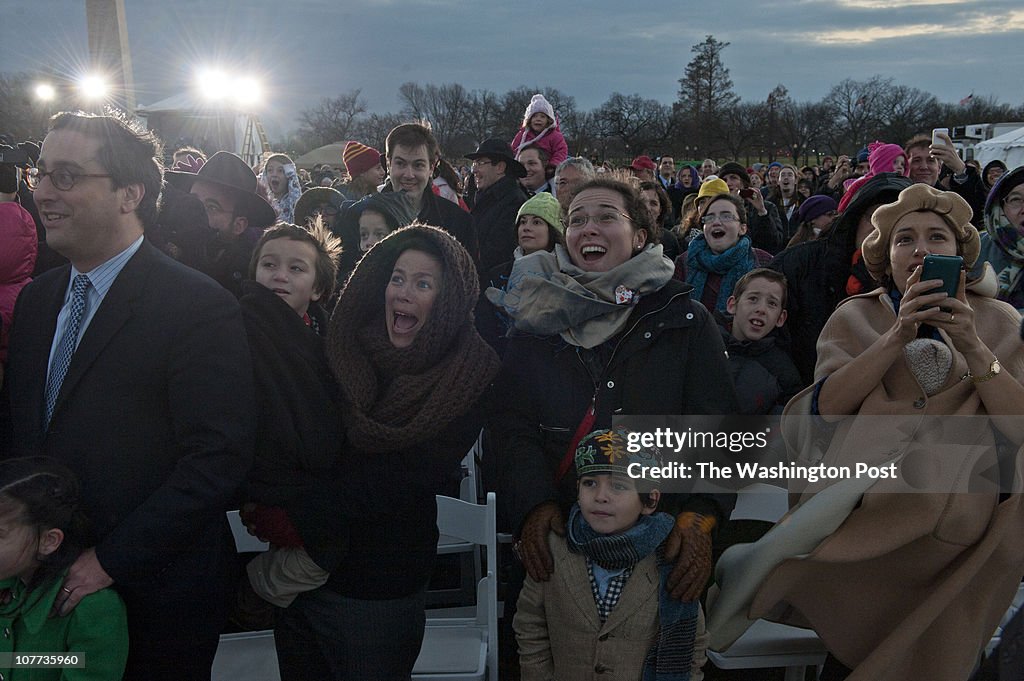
<point>762,371</point>
<point>767,232</point>
<point>817,271</point>
<point>298,433</point>
<point>494,216</point>
<point>669,360</point>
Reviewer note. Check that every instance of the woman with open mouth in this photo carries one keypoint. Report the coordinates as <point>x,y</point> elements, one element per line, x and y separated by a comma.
<point>600,329</point>
<point>411,370</point>
<point>717,259</point>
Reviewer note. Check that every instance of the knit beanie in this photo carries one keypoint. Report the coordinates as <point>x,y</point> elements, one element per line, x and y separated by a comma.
<point>712,186</point>
<point>882,155</point>
<point>546,207</point>
<point>359,158</point>
<point>920,197</point>
<point>815,207</point>
<point>539,105</point>
<point>733,168</point>
<point>862,155</point>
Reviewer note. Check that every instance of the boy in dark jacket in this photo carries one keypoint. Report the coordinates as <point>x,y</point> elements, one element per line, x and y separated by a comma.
<point>298,436</point>
<point>763,372</point>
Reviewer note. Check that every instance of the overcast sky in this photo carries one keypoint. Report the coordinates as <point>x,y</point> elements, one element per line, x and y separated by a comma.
<point>306,49</point>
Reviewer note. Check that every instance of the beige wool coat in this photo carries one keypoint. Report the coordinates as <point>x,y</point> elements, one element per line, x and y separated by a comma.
<point>561,637</point>
<point>912,585</point>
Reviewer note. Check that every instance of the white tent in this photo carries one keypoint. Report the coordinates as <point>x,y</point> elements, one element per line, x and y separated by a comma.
<point>1008,148</point>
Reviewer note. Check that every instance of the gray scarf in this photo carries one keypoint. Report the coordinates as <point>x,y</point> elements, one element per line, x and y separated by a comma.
<point>547,294</point>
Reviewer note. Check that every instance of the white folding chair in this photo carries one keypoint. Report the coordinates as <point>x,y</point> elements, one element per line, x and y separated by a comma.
<point>248,655</point>
<point>458,649</point>
<point>769,644</point>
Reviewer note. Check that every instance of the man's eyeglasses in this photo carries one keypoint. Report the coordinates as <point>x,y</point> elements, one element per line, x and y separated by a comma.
<point>580,220</point>
<point>62,178</point>
<point>480,162</point>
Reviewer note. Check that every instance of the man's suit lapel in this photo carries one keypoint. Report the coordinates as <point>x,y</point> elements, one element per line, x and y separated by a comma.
<point>112,314</point>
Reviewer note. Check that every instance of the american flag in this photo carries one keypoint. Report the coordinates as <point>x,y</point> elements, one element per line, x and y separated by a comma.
<point>967,99</point>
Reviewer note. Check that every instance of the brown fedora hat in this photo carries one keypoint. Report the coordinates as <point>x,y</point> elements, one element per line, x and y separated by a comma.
<point>230,171</point>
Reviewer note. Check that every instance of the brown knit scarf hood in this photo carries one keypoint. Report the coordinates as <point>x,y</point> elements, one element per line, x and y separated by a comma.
<point>397,397</point>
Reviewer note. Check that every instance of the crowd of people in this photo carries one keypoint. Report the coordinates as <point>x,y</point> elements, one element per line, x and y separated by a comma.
<point>320,349</point>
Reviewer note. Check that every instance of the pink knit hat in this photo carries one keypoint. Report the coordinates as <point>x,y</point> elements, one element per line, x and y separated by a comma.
<point>882,155</point>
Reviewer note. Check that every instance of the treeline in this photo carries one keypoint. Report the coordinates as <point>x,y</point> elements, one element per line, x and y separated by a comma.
<point>707,119</point>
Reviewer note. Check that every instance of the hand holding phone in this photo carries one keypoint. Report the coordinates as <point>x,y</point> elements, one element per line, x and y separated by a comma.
<point>946,268</point>
<point>937,137</point>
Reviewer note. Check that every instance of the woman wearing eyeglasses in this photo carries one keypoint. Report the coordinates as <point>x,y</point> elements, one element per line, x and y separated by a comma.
<point>600,329</point>
<point>1002,242</point>
<point>722,254</point>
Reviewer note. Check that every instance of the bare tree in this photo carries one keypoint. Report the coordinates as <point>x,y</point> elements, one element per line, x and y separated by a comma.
<point>445,107</point>
<point>20,117</point>
<point>802,127</point>
<point>642,125</point>
<point>333,119</point>
<point>740,128</point>
<point>857,109</point>
<point>907,111</point>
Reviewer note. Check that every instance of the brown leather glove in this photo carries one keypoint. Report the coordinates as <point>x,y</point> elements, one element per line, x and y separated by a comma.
<point>689,544</point>
<point>532,547</point>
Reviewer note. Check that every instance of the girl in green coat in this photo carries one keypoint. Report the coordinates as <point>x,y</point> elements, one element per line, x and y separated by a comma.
<point>42,531</point>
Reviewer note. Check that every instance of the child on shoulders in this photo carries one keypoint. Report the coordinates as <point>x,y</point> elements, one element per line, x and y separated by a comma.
<point>540,129</point>
<point>762,369</point>
<point>606,609</point>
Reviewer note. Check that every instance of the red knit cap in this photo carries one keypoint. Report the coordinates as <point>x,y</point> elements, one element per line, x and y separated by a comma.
<point>359,158</point>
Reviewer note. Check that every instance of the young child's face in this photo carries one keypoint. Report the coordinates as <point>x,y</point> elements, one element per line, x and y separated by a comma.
<point>610,503</point>
<point>19,548</point>
<point>288,268</point>
<point>757,310</point>
<point>372,228</point>
<point>539,121</point>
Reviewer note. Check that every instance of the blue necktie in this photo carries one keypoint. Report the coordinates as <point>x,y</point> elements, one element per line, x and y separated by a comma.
<point>66,346</point>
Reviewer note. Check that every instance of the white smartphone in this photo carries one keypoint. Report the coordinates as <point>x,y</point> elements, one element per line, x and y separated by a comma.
<point>936,140</point>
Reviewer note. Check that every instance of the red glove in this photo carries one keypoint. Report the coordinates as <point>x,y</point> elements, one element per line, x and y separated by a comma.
<point>689,544</point>
<point>532,547</point>
<point>270,524</point>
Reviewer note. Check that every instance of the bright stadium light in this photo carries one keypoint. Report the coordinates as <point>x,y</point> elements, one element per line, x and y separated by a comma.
<point>247,91</point>
<point>213,84</point>
<point>45,92</point>
<point>93,87</point>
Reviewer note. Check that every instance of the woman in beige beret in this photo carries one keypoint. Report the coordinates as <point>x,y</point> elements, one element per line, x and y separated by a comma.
<point>914,581</point>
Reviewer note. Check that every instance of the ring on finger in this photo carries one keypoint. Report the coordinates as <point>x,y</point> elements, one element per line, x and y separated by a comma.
<point>952,317</point>
<point>66,590</point>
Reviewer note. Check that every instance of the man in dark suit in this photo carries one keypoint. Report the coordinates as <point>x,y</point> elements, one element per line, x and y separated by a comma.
<point>133,370</point>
